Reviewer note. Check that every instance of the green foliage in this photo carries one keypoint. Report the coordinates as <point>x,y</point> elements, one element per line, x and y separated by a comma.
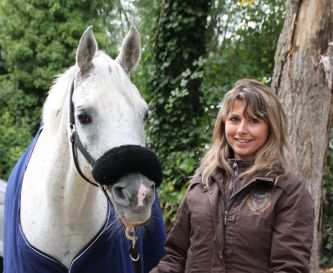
<point>327,227</point>
<point>145,16</point>
<point>15,124</point>
<point>38,40</point>
<point>244,45</point>
<point>174,91</point>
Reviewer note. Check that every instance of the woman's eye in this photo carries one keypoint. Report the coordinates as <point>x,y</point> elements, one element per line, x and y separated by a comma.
<point>254,120</point>
<point>233,119</point>
<point>84,118</point>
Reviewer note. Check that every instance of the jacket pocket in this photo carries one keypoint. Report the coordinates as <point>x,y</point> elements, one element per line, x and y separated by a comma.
<point>251,244</point>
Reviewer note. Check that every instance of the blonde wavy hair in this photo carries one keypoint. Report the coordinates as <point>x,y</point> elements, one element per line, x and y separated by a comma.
<point>274,158</point>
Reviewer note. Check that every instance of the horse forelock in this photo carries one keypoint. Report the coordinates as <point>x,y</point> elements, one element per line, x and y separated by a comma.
<point>117,79</point>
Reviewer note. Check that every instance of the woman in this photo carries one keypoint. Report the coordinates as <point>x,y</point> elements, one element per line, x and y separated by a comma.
<point>244,211</point>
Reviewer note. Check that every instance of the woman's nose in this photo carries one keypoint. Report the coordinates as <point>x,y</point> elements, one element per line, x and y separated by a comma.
<point>242,128</point>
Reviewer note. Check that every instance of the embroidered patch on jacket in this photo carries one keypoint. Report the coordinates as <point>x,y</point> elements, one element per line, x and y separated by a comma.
<point>259,202</point>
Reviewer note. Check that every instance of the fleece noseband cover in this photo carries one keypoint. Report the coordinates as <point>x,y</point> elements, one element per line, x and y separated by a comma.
<point>124,160</point>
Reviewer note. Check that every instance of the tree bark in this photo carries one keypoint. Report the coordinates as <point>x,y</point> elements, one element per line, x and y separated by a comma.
<point>303,77</point>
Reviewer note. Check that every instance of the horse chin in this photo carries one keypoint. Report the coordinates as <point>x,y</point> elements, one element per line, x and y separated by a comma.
<point>131,225</point>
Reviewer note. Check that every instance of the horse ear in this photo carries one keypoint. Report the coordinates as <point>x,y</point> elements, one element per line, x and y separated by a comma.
<point>86,49</point>
<point>130,50</point>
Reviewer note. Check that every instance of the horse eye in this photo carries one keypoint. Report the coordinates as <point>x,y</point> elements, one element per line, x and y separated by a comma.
<point>84,118</point>
<point>146,116</point>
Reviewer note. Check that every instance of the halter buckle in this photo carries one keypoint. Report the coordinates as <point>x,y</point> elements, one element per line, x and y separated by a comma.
<point>130,235</point>
<point>73,131</point>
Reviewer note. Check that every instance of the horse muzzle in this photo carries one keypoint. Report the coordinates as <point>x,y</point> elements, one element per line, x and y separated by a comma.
<point>126,159</point>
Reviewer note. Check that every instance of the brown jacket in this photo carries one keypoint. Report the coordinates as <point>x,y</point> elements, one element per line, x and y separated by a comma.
<point>265,227</point>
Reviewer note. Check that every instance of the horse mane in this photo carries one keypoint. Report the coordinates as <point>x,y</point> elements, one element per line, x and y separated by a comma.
<point>56,98</point>
<point>56,104</point>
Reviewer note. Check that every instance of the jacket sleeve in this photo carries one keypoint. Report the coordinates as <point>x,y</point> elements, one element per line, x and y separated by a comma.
<point>177,243</point>
<point>293,231</point>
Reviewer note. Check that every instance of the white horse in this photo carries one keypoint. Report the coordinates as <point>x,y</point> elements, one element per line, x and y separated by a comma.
<point>91,149</point>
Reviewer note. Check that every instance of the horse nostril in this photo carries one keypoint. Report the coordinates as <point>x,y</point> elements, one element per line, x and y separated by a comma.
<point>152,187</point>
<point>119,192</point>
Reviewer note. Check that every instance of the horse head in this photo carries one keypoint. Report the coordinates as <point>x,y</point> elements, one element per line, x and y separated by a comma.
<point>106,127</point>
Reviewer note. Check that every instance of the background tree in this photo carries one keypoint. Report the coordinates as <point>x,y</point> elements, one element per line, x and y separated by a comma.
<point>175,92</point>
<point>303,77</point>
<point>245,39</point>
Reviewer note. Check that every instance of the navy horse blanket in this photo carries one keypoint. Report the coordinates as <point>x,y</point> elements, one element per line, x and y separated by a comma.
<point>106,253</point>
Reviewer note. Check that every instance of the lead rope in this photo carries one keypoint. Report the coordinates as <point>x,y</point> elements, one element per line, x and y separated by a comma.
<point>133,251</point>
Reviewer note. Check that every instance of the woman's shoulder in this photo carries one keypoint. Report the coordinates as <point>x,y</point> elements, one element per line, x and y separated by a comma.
<point>196,179</point>
<point>295,197</point>
<point>290,183</point>
<point>195,183</point>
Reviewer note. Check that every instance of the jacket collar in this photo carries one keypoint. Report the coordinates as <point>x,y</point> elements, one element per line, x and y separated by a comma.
<point>241,165</point>
<point>217,175</point>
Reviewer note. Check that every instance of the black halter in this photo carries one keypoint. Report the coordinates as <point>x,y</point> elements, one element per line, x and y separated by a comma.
<point>76,143</point>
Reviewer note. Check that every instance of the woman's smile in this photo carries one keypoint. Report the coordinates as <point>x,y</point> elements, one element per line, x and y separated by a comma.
<point>242,140</point>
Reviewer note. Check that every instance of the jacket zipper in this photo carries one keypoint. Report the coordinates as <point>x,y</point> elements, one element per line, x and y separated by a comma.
<point>234,183</point>
<point>227,203</point>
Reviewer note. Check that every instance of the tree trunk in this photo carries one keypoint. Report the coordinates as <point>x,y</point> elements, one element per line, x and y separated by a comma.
<point>303,77</point>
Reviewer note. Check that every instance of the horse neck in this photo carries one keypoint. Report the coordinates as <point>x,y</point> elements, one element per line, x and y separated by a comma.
<point>80,198</point>
<point>56,203</point>
<point>65,192</point>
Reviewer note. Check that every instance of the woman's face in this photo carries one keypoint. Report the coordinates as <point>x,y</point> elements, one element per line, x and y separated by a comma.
<point>245,134</point>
